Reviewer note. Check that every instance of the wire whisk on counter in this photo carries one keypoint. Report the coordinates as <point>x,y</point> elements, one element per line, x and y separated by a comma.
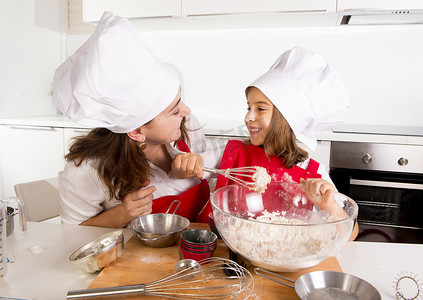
<point>210,281</point>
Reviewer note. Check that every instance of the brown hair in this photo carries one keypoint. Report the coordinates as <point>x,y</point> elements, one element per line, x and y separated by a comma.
<point>281,141</point>
<point>121,165</point>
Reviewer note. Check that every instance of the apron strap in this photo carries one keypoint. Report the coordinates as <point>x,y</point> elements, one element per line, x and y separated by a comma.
<point>182,146</point>
<point>313,166</point>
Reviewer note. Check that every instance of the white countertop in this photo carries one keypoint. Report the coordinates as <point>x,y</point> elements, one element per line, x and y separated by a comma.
<point>49,274</point>
<point>380,264</point>
<point>226,127</point>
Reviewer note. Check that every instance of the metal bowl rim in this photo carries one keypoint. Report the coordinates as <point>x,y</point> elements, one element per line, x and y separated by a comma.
<point>215,238</point>
<point>161,234</point>
<point>118,239</point>
<point>299,283</point>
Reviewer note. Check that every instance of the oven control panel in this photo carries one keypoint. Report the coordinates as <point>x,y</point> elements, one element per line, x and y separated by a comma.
<point>377,157</point>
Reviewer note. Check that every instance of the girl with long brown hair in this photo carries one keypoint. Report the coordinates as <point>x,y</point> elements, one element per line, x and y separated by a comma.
<point>297,96</point>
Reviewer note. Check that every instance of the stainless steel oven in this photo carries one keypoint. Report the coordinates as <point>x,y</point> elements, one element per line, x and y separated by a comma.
<point>386,181</point>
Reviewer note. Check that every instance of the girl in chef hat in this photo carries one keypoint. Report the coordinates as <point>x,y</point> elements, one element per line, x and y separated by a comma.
<point>138,150</point>
<point>297,96</point>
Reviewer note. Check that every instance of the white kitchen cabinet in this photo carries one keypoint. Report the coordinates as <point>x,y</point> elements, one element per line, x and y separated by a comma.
<point>93,9</point>
<point>29,153</point>
<point>216,7</point>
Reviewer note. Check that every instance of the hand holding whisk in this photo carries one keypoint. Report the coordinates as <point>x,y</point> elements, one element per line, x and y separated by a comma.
<point>243,176</point>
<point>207,282</point>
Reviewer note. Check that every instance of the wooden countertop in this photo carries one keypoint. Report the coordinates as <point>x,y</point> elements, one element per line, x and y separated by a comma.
<point>140,264</point>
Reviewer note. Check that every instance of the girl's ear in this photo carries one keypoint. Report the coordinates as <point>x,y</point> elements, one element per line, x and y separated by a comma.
<point>137,135</point>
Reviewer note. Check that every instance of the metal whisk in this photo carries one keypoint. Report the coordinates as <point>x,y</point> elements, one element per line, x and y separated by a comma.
<point>258,175</point>
<point>207,282</point>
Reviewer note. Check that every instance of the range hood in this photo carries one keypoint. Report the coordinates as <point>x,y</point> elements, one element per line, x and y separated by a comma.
<point>380,17</point>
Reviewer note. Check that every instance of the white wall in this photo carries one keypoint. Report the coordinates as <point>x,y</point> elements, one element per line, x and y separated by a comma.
<point>30,51</point>
<point>382,67</point>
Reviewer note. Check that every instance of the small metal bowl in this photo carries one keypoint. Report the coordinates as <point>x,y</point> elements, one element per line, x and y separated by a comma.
<point>99,253</point>
<point>159,230</point>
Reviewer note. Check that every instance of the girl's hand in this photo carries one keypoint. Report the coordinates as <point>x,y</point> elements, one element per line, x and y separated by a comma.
<point>188,165</point>
<point>139,202</point>
<point>321,193</point>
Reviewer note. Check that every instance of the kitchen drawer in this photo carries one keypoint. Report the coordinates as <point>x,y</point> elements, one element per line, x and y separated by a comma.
<point>29,153</point>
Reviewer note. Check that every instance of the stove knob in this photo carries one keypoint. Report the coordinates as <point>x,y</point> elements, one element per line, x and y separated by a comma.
<point>403,161</point>
<point>367,159</point>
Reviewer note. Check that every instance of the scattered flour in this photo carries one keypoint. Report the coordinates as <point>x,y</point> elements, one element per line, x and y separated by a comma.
<point>149,258</point>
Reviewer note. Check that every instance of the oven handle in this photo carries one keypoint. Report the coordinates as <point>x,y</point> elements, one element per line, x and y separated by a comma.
<point>399,185</point>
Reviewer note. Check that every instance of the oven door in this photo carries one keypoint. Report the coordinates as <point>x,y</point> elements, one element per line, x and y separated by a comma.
<point>390,204</point>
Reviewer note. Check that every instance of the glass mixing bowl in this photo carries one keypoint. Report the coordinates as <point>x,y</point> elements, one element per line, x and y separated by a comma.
<point>280,230</point>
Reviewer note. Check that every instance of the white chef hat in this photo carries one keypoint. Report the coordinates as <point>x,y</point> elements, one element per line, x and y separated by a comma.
<point>113,80</point>
<point>309,94</point>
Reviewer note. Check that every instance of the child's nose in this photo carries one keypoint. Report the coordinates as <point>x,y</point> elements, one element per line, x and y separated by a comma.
<point>249,116</point>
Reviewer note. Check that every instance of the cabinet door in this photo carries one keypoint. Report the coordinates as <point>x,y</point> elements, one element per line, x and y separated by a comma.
<point>213,7</point>
<point>93,9</point>
<point>69,134</point>
<point>28,154</point>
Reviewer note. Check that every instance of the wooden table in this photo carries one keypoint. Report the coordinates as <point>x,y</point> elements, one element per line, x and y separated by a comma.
<point>141,264</point>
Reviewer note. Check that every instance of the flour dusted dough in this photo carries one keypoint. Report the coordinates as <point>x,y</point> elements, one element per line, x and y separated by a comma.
<point>261,179</point>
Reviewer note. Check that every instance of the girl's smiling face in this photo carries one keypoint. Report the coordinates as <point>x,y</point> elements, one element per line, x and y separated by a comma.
<point>259,115</point>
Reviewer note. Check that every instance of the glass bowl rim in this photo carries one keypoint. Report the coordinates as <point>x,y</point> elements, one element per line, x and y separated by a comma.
<point>329,223</point>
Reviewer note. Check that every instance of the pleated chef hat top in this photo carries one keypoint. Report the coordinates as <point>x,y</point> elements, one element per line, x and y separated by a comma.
<point>113,80</point>
<point>308,93</point>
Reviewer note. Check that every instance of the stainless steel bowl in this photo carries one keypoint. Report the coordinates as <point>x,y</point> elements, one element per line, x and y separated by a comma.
<point>326,285</point>
<point>99,253</point>
<point>159,230</point>
<point>293,235</point>
<point>334,285</point>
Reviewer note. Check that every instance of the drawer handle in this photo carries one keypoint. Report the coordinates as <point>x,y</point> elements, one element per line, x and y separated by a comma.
<point>32,128</point>
<point>398,185</point>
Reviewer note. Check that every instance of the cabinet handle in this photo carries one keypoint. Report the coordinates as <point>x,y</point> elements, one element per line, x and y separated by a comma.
<point>32,128</point>
<point>84,131</point>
